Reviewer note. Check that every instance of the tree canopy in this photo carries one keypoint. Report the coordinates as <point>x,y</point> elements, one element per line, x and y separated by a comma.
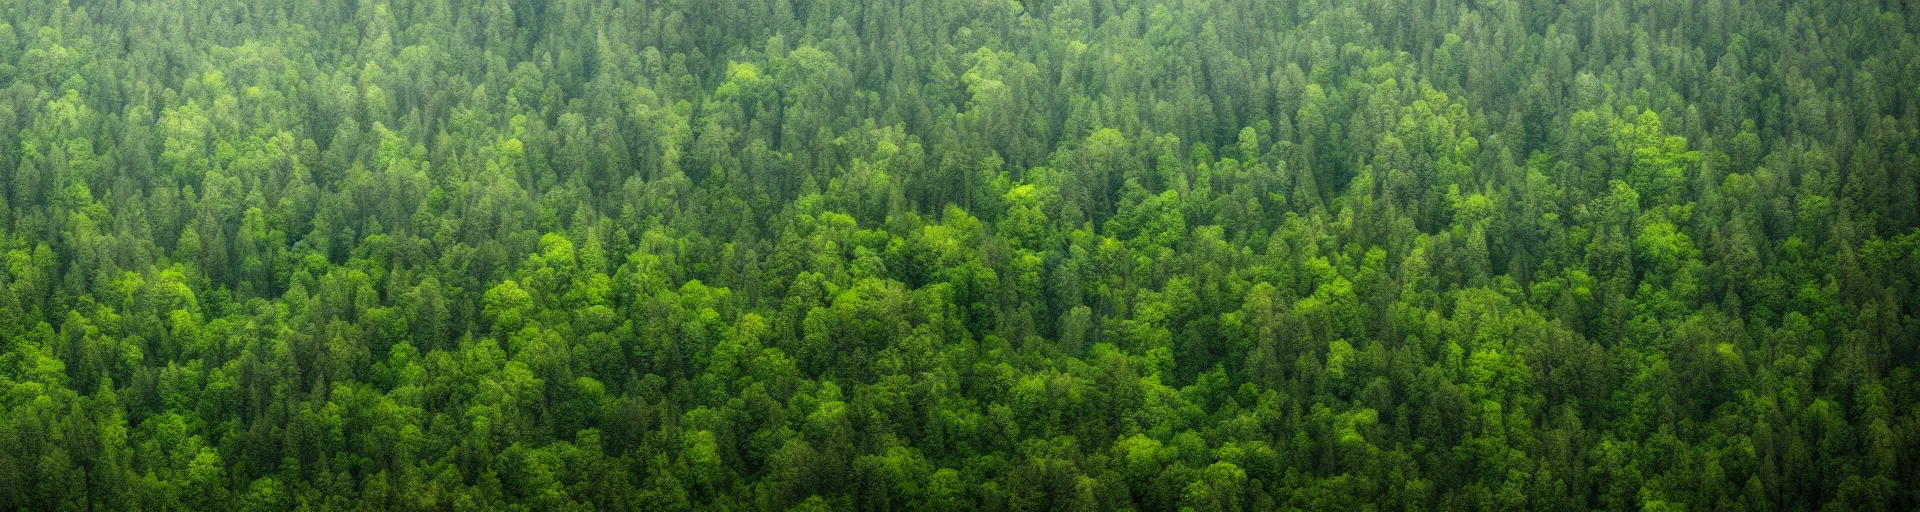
<point>945,255</point>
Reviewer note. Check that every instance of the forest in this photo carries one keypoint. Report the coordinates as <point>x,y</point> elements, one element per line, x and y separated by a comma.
<point>956,255</point>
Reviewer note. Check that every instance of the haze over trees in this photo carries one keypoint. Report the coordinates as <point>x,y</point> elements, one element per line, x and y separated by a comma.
<point>948,255</point>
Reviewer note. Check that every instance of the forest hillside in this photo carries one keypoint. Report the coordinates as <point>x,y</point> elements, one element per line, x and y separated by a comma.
<point>955,255</point>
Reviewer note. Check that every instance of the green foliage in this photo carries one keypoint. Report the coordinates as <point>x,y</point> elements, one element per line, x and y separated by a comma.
<point>951,255</point>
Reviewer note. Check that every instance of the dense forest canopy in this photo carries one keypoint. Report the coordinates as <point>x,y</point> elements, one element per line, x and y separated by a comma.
<point>956,255</point>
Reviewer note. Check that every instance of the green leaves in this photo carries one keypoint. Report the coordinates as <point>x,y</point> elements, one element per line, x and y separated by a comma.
<point>957,255</point>
<point>507,307</point>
